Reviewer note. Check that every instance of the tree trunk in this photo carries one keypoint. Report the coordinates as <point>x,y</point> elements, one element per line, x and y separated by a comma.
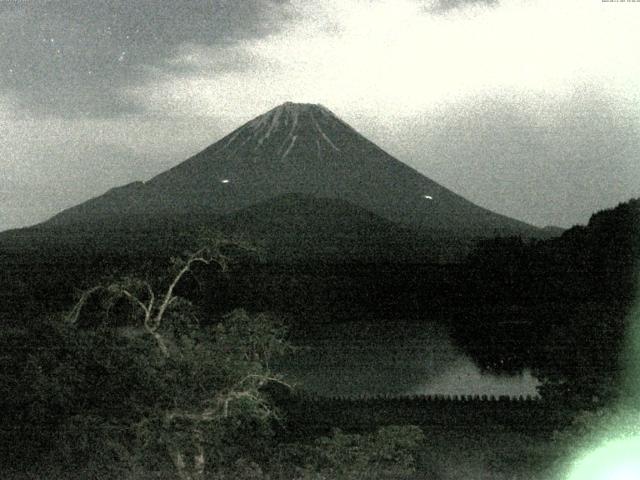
<point>198,462</point>
<point>178,461</point>
<point>189,472</point>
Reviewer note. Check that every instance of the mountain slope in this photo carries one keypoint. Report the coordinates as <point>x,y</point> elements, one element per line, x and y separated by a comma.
<point>287,228</point>
<point>297,148</point>
<point>297,227</point>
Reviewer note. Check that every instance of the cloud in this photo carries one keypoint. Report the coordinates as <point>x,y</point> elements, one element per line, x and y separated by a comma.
<point>72,58</point>
<point>391,58</point>
<point>50,164</point>
<point>200,58</point>
<point>443,6</point>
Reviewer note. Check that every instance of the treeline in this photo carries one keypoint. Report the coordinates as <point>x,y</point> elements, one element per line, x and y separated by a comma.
<point>562,307</point>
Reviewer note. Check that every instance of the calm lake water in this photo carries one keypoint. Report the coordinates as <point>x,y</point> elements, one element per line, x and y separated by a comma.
<point>352,359</point>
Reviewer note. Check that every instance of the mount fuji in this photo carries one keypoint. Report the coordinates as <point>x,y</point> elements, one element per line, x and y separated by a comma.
<point>301,149</point>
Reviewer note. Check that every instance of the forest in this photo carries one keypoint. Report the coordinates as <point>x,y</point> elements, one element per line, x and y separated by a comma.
<point>162,365</point>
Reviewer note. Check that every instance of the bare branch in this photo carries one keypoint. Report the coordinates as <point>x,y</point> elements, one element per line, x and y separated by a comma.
<point>136,301</point>
<point>262,380</point>
<point>161,342</point>
<point>152,297</point>
<point>74,314</point>
<point>199,256</point>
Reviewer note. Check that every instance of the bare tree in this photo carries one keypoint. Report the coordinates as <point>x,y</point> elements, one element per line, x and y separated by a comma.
<point>214,406</point>
<point>154,306</point>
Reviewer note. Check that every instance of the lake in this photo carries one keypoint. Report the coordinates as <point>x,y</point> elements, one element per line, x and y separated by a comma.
<point>354,359</point>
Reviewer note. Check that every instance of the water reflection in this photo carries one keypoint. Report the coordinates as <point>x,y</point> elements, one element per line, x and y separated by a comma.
<point>352,360</point>
<point>465,378</point>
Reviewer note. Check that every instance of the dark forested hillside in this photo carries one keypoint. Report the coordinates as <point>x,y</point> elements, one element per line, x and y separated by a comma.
<point>298,236</point>
<point>560,306</point>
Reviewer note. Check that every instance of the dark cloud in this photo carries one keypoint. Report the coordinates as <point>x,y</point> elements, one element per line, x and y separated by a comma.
<point>71,58</point>
<point>443,6</point>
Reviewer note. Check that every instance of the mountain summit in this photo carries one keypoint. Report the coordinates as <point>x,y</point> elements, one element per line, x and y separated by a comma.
<point>303,149</point>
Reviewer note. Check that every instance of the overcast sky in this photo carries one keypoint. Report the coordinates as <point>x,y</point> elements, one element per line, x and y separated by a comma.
<point>527,107</point>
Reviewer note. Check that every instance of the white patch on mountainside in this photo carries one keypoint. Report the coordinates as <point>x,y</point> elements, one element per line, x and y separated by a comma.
<point>324,135</point>
<point>233,137</point>
<point>293,142</point>
<point>275,118</point>
<point>290,115</point>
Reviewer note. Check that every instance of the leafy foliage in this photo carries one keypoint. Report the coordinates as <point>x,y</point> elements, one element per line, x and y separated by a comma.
<point>389,452</point>
<point>80,391</point>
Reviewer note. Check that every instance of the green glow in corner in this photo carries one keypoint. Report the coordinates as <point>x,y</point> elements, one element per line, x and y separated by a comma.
<point>631,356</point>
<point>615,460</point>
<point>618,458</point>
<point>617,452</point>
